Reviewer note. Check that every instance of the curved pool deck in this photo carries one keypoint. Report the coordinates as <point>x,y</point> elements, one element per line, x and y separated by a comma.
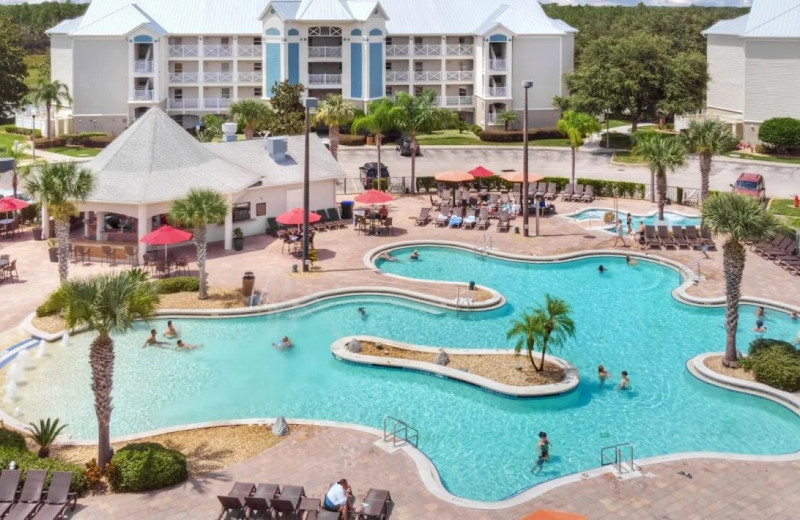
<point>433,482</point>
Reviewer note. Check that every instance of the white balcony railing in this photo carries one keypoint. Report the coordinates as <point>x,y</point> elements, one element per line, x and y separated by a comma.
<point>396,50</point>
<point>218,77</point>
<point>184,77</point>
<point>459,101</point>
<point>217,102</point>
<point>324,52</point>
<point>250,77</point>
<point>459,75</point>
<point>427,50</point>
<point>143,66</point>
<point>498,65</point>
<point>249,51</point>
<point>217,51</point>
<point>183,51</point>
<point>459,49</point>
<point>428,75</point>
<point>141,94</point>
<point>324,79</point>
<point>180,104</point>
<point>498,91</point>
<point>398,76</point>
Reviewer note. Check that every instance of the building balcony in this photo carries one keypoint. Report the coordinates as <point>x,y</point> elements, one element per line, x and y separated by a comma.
<point>218,77</point>
<point>182,104</point>
<point>143,94</point>
<point>324,52</point>
<point>143,66</point>
<point>398,76</point>
<point>459,50</point>
<point>427,50</point>
<point>249,51</point>
<point>217,103</point>
<point>459,101</point>
<point>183,51</point>
<point>427,76</point>
<point>249,77</point>
<point>498,91</point>
<point>500,65</point>
<point>324,79</point>
<point>459,75</point>
<point>184,77</point>
<point>217,51</point>
<point>396,50</point>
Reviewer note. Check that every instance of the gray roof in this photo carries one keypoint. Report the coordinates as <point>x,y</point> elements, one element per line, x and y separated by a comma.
<point>157,160</point>
<point>252,156</point>
<point>66,26</point>
<point>767,19</point>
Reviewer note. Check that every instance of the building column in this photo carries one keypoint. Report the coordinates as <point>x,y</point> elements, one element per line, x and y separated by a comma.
<point>86,227</point>
<point>101,225</point>
<point>229,227</point>
<point>45,222</point>
<point>143,228</point>
<point>200,73</point>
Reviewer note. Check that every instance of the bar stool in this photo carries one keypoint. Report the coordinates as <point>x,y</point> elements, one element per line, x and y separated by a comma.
<point>132,255</point>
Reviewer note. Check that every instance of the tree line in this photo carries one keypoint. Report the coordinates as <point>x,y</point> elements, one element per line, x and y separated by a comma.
<point>34,19</point>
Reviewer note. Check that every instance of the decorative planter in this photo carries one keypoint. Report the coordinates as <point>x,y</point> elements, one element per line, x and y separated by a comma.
<point>228,128</point>
<point>37,233</point>
<point>53,255</point>
<point>238,243</point>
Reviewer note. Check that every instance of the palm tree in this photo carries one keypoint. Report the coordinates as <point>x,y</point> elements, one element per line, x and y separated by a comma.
<point>107,304</point>
<point>414,114</point>
<point>740,218</point>
<point>199,208</point>
<point>376,122</point>
<point>707,138</point>
<point>662,153</point>
<point>576,126</point>
<point>548,324</point>
<point>525,330</point>
<point>251,113</point>
<point>506,117</point>
<point>58,186</point>
<point>17,152</point>
<point>335,112</point>
<point>49,93</point>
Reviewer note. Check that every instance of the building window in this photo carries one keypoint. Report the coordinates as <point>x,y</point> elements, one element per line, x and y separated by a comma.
<point>388,65</point>
<point>417,40</point>
<point>257,41</point>
<point>257,92</point>
<point>177,68</point>
<point>388,91</point>
<point>224,41</point>
<point>241,211</point>
<point>417,91</point>
<point>261,209</point>
<point>178,94</point>
<point>225,67</point>
<point>176,40</point>
<point>225,93</point>
<point>462,92</point>
<point>388,40</point>
<point>462,40</point>
<point>257,66</point>
<point>417,66</point>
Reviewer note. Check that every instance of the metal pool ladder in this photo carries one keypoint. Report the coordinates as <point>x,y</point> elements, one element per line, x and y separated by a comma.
<point>690,274</point>
<point>482,246</point>
<point>615,455</point>
<point>463,302</point>
<point>399,432</point>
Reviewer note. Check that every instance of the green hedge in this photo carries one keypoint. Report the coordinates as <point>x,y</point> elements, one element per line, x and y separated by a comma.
<point>515,136</point>
<point>178,284</point>
<point>50,143</point>
<point>146,466</point>
<point>12,439</point>
<point>352,140</point>
<point>602,188</point>
<point>780,133</point>
<point>27,460</point>
<point>775,363</point>
<point>98,141</point>
<point>82,137</point>
<point>384,184</point>
<point>11,129</point>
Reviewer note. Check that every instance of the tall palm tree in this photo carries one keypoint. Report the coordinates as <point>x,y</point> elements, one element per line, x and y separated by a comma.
<point>107,304</point>
<point>17,152</point>
<point>415,114</point>
<point>49,93</point>
<point>377,122</point>
<point>59,186</point>
<point>707,138</point>
<point>548,324</point>
<point>740,218</point>
<point>662,153</point>
<point>525,330</point>
<point>506,117</point>
<point>576,126</point>
<point>251,113</point>
<point>199,208</point>
<point>335,112</point>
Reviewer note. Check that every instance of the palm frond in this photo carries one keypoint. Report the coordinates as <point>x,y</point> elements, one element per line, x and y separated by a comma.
<point>738,216</point>
<point>199,208</point>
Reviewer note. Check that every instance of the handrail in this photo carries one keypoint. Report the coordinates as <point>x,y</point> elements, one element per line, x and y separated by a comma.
<point>619,459</point>
<point>399,426</point>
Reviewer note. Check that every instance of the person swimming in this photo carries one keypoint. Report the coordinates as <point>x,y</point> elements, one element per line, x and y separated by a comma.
<point>284,344</point>
<point>601,373</point>
<point>386,256</point>
<point>759,328</point>
<point>414,255</point>
<point>624,382</point>
<point>171,331</point>
<point>543,451</point>
<point>180,344</point>
<point>630,261</point>
<point>362,311</point>
<point>601,269</point>
<point>152,341</point>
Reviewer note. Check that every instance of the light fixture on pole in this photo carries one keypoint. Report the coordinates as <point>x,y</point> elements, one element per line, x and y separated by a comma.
<point>33,133</point>
<point>309,104</point>
<point>608,129</point>
<point>525,210</point>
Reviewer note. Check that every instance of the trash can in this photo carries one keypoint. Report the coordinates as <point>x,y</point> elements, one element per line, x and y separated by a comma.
<point>347,209</point>
<point>248,282</point>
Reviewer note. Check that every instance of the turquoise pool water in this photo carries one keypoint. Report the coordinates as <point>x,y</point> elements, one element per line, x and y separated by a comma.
<point>482,444</point>
<point>672,219</point>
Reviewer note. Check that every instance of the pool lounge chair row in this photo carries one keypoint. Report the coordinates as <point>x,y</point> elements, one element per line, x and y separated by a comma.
<point>547,190</point>
<point>330,220</point>
<point>31,501</point>
<point>781,250</point>
<point>291,502</point>
<point>578,193</point>
<point>688,237</point>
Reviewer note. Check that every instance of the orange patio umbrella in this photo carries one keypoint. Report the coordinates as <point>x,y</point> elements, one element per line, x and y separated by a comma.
<point>520,177</point>
<point>548,514</point>
<point>454,176</point>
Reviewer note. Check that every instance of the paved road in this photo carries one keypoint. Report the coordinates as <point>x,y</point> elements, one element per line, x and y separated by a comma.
<point>782,181</point>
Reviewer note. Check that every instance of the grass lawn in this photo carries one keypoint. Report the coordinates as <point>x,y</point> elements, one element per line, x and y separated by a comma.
<point>551,142</point>
<point>33,62</point>
<point>618,141</point>
<point>768,158</point>
<point>627,158</point>
<point>239,137</point>
<point>616,123</point>
<point>7,140</point>
<point>74,151</point>
<point>453,138</point>
<point>784,207</point>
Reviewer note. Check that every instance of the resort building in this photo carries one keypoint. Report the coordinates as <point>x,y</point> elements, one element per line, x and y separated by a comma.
<point>754,64</point>
<point>196,57</point>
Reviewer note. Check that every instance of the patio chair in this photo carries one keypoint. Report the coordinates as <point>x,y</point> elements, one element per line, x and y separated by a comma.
<point>470,220</point>
<point>182,265</point>
<point>503,224</point>
<point>161,268</point>
<point>651,238</point>
<point>541,188</point>
<point>483,218</point>
<point>494,198</point>
<point>58,497</point>
<point>787,250</point>
<point>9,481</point>
<point>435,204</point>
<point>361,224</point>
<point>259,501</point>
<point>576,196</point>
<point>692,237</point>
<point>424,217</point>
<point>588,194</point>
<point>705,234</point>
<point>552,191</point>
<point>131,254</point>
<point>456,219</point>
<point>568,192</point>
<point>776,242</point>
<point>504,198</point>
<point>10,271</point>
<point>322,224</point>
<point>680,240</point>
<point>109,255</point>
<point>386,224</point>
<point>287,503</point>
<point>780,247</point>
<point>443,217</point>
<point>664,238</point>
<point>30,496</point>
<point>376,505</point>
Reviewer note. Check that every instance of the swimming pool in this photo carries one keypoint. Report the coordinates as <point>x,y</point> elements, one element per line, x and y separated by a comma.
<point>672,219</point>
<point>482,444</point>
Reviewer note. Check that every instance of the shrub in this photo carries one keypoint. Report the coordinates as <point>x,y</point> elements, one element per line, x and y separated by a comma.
<point>81,138</point>
<point>426,183</point>
<point>774,363</point>
<point>12,439</point>
<point>352,140</point>
<point>98,141</point>
<point>617,140</point>
<point>145,466</point>
<point>759,345</point>
<point>94,476</point>
<point>11,129</point>
<point>50,143</point>
<point>780,133</point>
<point>52,305</point>
<point>384,184</point>
<point>515,136</point>
<point>178,284</point>
<point>26,460</point>
<point>476,129</point>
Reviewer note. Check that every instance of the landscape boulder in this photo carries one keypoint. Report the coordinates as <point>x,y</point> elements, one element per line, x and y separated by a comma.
<point>441,358</point>
<point>280,427</point>
<point>354,346</point>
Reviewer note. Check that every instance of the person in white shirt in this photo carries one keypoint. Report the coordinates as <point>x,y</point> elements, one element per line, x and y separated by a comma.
<point>337,499</point>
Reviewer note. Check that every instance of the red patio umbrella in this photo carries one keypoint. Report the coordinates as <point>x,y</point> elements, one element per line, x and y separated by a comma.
<point>166,235</point>
<point>294,217</point>
<point>12,204</point>
<point>373,197</point>
<point>480,171</point>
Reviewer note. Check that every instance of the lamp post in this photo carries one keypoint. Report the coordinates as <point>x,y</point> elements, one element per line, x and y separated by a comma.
<point>33,134</point>
<point>608,129</point>
<point>309,103</point>
<point>525,210</point>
